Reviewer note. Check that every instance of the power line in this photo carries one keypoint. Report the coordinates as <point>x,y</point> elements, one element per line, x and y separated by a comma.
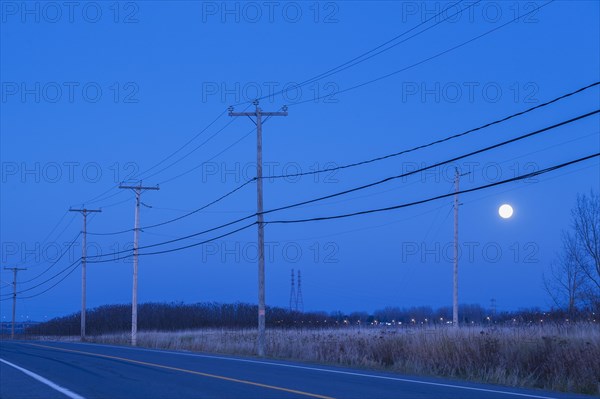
<point>448,138</point>
<point>200,243</point>
<point>182,216</point>
<point>74,266</point>
<point>51,278</point>
<point>213,157</point>
<point>318,77</point>
<point>175,249</point>
<point>176,239</point>
<point>479,151</point>
<point>192,151</point>
<point>56,261</point>
<point>52,286</point>
<point>208,160</point>
<point>365,162</point>
<point>422,61</point>
<point>405,205</point>
<point>202,207</point>
<point>139,176</point>
<point>365,56</point>
<point>115,204</point>
<point>55,226</point>
<point>45,240</point>
<point>348,64</point>
<point>379,78</point>
<point>99,197</point>
<point>96,199</point>
<point>181,175</point>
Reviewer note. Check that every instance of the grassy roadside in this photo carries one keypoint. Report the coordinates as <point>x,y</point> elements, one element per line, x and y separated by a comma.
<point>559,358</point>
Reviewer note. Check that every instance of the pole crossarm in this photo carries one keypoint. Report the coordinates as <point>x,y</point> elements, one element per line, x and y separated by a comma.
<point>279,113</point>
<point>140,187</point>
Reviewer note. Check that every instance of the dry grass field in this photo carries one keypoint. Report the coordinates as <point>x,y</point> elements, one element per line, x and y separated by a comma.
<point>554,357</point>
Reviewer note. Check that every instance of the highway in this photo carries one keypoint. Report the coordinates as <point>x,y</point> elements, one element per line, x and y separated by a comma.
<point>35,369</point>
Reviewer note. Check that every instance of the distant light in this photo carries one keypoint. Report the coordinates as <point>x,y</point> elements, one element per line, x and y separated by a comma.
<point>505,211</point>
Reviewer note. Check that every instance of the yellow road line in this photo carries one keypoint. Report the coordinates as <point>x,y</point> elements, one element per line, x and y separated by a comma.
<point>220,377</point>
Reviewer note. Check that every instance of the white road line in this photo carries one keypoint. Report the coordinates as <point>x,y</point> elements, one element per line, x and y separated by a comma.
<point>355,374</point>
<point>382,377</point>
<point>43,380</point>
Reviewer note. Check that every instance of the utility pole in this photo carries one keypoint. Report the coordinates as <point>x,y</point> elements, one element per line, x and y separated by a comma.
<point>258,114</point>
<point>138,190</point>
<point>14,309</point>
<point>455,288</point>
<point>84,212</point>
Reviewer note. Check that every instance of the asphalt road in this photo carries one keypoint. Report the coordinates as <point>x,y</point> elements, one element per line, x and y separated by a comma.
<point>32,370</point>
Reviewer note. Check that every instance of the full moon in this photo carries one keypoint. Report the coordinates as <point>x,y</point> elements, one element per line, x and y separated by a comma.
<point>505,211</point>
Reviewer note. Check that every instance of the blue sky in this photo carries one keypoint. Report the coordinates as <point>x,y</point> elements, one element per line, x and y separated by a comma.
<point>99,93</point>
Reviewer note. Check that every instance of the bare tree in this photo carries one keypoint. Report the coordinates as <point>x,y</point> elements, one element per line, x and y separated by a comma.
<point>574,278</point>
<point>566,284</point>
<point>585,245</point>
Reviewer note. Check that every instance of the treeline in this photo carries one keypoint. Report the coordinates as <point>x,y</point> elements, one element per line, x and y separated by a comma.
<point>170,317</point>
<point>179,316</point>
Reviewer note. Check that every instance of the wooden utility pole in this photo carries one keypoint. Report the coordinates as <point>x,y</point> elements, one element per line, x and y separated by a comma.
<point>136,235</point>
<point>455,285</point>
<point>84,212</point>
<point>258,114</point>
<point>15,270</point>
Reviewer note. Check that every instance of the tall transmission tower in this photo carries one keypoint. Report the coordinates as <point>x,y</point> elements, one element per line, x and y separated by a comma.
<point>84,212</point>
<point>138,190</point>
<point>299,299</point>
<point>15,270</point>
<point>292,293</point>
<point>258,113</point>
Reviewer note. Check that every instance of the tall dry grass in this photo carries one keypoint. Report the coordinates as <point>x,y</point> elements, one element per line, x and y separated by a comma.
<point>561,358</point>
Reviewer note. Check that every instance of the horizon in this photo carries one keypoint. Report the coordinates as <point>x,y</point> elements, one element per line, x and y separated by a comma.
<point>332,313</point>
